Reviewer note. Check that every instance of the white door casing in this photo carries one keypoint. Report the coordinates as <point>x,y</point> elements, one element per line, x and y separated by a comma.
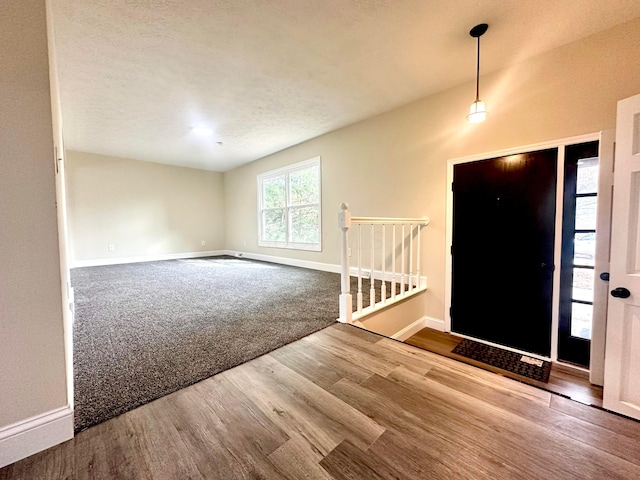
<point>603,240</point>
<point>622,358</point>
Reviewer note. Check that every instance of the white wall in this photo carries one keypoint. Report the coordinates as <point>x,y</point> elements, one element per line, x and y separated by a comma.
<point>394,164</point>
<point>32,361</point>
<point>141,208</point>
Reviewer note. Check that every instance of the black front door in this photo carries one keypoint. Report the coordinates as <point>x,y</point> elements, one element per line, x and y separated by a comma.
<point>503,239</point>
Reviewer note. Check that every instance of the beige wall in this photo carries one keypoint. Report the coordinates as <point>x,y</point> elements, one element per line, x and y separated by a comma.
<point>394,164</point>
<point>142,208</point>
<point>32,368</point>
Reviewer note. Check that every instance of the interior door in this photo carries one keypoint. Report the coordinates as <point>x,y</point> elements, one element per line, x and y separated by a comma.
<point>503,249</point>
<point>622,358</point>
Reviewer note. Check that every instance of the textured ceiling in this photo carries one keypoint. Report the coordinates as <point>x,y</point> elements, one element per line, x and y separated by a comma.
<point>265,75</point>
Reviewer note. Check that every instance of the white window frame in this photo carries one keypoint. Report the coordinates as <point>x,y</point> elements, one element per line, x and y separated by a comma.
<point>286,171</point>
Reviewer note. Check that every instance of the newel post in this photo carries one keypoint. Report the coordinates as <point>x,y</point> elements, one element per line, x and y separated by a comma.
<point>346,305</point>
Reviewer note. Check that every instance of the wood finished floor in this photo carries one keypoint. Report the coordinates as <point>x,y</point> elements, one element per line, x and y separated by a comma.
<point>563,380</point>
<point>344,403</point>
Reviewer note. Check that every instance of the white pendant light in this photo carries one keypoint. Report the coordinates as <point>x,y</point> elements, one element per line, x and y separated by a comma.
<point>477,111</point>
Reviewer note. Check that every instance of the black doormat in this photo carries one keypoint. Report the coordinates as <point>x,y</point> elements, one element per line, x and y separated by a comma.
<point>506,360</point>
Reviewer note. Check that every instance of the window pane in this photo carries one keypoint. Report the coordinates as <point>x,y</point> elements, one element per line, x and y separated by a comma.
<point>305,225</point>
<point>587,175</point>
<point>583,284</point>
<point>275,225</point>
<point>273,192</point>
<point>586,213</point>
<point>303,186</point>
<point>584,249</point>
<point>581,316</point>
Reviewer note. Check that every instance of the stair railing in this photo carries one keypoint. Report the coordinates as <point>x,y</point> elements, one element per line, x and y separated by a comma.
<point>392,269</point>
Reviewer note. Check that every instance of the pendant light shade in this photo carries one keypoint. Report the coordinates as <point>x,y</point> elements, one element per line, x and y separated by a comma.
<point>477,111</point>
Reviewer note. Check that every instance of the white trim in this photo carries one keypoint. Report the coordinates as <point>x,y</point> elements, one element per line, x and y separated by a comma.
<point>388,276</point>
<point>558,234</point>
<point>557,256</point>
<point>145,258</point>
<point>434,323</point>
<point>410,329</point>
<point>422,221</point>
<point>382,306</point>
<point>589,137</point>
<point>325,267</point>
<point>22,439</point>
<point>603,247</point>
<point>415,327</point>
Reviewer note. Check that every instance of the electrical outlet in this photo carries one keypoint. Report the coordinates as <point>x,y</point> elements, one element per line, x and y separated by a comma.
<point>203,243</point>
<point>244,243</point>
<point>112,247</point>
<point>349,252</point>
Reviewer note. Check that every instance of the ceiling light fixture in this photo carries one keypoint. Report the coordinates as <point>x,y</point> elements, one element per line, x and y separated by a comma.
<point>477,112</point>
<point>202,131</point>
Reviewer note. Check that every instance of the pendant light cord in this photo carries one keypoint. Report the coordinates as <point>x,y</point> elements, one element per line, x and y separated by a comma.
<point>478,73</point>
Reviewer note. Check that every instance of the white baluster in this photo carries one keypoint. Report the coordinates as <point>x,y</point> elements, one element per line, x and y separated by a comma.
<point>419,283</point>
<point>344,222</point>
<point>411,257</point>
<point>383,286</point>
<point>403,264</point>
<point>393,262</point>
<point>372,289</point>
<point>359,295</point>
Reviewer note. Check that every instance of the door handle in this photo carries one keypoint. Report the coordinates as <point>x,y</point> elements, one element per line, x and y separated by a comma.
<point>620,292</point>
<point>604,276</point>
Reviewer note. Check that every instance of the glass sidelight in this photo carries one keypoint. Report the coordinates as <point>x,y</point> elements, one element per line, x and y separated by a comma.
<point>578,252</point>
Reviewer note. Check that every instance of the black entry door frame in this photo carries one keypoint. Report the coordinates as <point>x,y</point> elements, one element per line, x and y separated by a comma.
<point>559,144</point>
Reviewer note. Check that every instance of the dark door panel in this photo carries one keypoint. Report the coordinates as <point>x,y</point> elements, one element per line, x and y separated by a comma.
<point>503,238</point>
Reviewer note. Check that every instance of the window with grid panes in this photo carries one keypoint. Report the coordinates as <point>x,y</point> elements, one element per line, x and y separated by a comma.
<point>289,213</point>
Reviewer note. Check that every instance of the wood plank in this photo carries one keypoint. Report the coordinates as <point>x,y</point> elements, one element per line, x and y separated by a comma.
<point>444,450</point>
<point>395,411</point>
<point>158,444</point>
<point>563,379</point>
<point>556,421</point>
<point>513,434</point>
<point>391,358</point>
<point>479,374</point>
<point>230,437</point>
<point>298,459</point>
<point>297,405</point>
<point>345,351</point>
<point>348,462</point>
<point>319,365</point>
<point>408,457</point>
<point>616,423</point>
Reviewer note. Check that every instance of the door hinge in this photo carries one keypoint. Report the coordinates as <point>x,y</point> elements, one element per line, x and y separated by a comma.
<point>451,312</point>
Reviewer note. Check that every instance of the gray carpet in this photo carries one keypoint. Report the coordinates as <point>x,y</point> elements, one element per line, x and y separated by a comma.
<point>145,330</point>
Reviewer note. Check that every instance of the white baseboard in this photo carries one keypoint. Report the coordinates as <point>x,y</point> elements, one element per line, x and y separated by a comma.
<point>325,267</point>
<point>145,258</point>
<point>411,329</point>
<point>435,323</point>
<point>23,439</point>
<point>415,327</point>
